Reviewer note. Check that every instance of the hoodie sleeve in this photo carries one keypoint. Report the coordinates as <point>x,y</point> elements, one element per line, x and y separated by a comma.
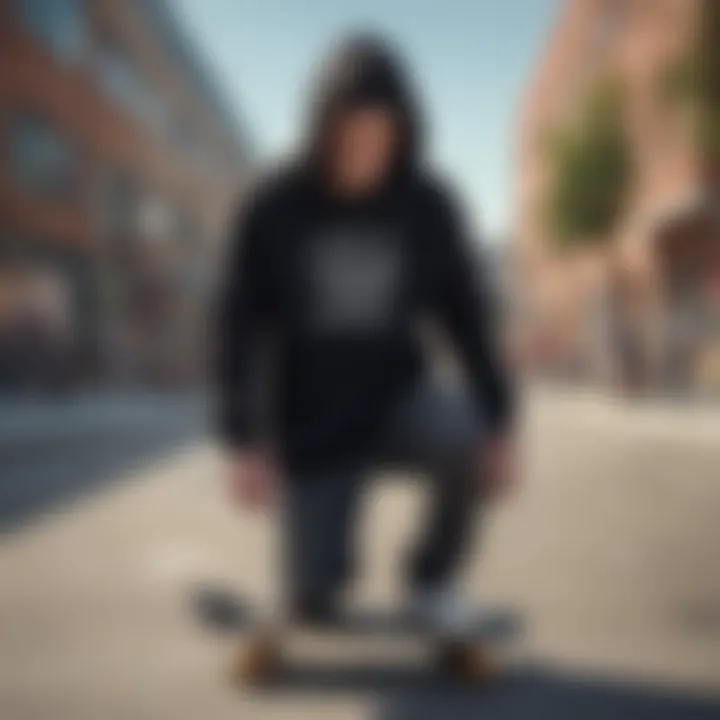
<point>242,315</point>
<point>463,301</point>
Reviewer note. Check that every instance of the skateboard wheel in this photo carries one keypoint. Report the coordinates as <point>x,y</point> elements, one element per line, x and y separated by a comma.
<point>258,663</point>
<point>468,663</point>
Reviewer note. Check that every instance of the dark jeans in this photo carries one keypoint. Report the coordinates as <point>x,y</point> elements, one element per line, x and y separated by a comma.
<point>432,431</point>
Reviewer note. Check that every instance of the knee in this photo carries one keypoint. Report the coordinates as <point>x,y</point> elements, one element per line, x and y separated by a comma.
<point>457,473</point>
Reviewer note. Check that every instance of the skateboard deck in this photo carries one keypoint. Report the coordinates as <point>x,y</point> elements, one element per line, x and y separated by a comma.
<point>222,610</point>
<point>487,626</point>
<point>466,658</point>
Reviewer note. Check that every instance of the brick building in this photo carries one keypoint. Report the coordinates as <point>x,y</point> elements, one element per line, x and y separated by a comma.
<point>665,246</point>
<point>120,160</point>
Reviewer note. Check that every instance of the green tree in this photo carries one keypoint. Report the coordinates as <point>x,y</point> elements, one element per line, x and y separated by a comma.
<point>591,172</point>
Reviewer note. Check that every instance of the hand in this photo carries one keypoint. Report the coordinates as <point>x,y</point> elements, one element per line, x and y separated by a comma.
<point>253,477</point>
<point>498,469</point>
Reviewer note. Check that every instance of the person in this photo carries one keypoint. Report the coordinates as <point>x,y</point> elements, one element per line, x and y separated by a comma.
<point>334,260</point>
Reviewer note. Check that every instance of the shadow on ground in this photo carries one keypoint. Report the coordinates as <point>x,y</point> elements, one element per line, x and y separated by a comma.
<point>66,453</point>
<point>546,694</point>
<point>527,692</point>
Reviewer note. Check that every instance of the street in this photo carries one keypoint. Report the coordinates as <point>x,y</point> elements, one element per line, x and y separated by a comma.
<point>54,452</point>
<point>608,553</point>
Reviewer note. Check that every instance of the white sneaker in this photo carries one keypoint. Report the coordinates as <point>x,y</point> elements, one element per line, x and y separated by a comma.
<point>443,611</point>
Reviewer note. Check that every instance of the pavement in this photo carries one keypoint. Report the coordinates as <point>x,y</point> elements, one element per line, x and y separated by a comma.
<point>54,452</point>
<point>608,553</point>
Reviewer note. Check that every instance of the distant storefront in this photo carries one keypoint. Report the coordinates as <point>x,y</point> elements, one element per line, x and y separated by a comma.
<point>47,329</point>
<point>691,266</point>
<point>122,160</point>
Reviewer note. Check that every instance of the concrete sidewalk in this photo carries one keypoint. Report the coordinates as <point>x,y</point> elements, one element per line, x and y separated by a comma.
<point>653,418</point>
<point>609,553</point>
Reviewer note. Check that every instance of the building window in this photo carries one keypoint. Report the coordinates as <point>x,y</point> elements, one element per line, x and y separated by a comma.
<point>119,205</point>
<point>609,25</point>
<point>60,24</point>
<point>118,76</point>
<point>152,110</point>
<point>156,219</point>
<point>183,134</point>
<point>121,79</point>
<point>187,229</point>
<point>43,161</point>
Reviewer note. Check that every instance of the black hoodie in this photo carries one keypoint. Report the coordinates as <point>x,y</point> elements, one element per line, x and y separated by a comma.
<point>332,290</point>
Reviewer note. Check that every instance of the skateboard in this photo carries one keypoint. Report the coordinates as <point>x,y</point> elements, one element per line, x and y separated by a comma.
<point>466,658</point>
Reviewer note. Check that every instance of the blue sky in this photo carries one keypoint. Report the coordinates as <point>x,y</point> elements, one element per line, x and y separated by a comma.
<point>472,57</point>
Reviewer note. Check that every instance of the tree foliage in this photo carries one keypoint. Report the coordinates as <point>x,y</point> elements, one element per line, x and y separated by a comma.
<point>592,172</point>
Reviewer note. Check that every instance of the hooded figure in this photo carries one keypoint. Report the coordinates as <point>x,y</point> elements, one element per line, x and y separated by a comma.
<point>363,72</point>
<point>336,258</point>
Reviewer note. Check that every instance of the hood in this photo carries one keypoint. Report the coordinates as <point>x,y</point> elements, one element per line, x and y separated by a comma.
<point>364,70</point>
